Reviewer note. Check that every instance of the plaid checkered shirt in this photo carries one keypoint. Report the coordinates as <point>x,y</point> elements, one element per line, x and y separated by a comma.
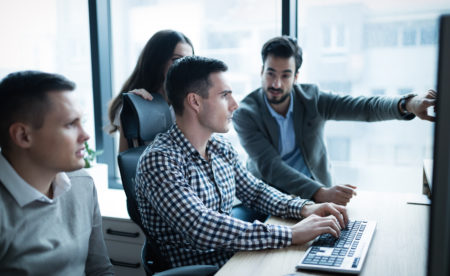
<point>185,202</point>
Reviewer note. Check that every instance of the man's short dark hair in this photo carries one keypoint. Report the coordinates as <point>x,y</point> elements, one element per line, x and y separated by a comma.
<point>23,97</point>
<point>285,47</point>
<point>190,74</point>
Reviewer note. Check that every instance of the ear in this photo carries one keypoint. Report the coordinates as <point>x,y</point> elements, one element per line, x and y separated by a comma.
<point>20,134</point>
<point>193,101</point>
<point>262,70</point>
<point>296,77</point>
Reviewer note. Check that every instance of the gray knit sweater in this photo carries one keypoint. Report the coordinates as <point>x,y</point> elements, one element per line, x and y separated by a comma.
<point>62,238</point>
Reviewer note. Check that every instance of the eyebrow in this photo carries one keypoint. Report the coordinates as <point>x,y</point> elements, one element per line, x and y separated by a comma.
<point>226,92</point>
<point>284,71</point>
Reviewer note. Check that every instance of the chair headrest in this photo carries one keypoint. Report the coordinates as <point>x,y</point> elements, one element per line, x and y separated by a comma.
<point>142,119</point>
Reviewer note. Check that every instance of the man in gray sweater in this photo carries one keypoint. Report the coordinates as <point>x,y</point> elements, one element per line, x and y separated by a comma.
<point>50,223</point>
<point>281,124</point>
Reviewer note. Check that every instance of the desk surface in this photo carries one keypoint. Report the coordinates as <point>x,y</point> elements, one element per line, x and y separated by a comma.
<point>399,246</point>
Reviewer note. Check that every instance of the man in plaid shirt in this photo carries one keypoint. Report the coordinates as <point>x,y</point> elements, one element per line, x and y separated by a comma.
<point>188,177</point>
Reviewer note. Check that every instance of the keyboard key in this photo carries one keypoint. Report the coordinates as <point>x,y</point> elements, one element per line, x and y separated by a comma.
<point>355,262</point>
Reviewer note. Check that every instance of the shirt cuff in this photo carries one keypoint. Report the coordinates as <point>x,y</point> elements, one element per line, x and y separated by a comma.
<point>283,236</point>
<point>295,207</point>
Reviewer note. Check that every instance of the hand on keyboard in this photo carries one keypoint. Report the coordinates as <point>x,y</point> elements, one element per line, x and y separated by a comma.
<point>313,226</point>
<point>326,209</point>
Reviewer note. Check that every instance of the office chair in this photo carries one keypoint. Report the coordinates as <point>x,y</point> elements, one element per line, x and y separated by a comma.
<point>141,121</point>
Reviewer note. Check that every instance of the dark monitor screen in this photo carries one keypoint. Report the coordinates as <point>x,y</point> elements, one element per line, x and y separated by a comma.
<point>439,228</point>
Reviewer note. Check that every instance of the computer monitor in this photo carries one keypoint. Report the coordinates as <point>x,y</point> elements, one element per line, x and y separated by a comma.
<point>439,227</point>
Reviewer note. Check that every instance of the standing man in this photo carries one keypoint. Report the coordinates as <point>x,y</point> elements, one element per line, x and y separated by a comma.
<point>187,179</point>
<point>281,124</point>
<point>50,223</point>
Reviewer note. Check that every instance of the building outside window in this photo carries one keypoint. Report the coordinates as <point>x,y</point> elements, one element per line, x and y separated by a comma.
<point>50,36</point>
<point>391,50</point>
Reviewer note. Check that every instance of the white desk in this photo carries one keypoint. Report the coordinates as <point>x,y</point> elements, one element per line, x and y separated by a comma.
<point>123,238</point>
<point>399,246</point>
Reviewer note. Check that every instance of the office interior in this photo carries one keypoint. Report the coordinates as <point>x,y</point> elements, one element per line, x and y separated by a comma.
<point>355,47</point>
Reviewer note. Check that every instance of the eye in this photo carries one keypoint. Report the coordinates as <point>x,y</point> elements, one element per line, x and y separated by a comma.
<point>72,123</point>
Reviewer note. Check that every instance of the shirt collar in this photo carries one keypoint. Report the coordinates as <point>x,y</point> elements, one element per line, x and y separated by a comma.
<point>186,145</point>
<point>23,192</point>
<point>274,113</point>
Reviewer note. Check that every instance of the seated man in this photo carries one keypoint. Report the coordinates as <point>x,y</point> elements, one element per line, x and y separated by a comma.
<point>50,222</point>
<point>281,124</point>
<point>187,179</point>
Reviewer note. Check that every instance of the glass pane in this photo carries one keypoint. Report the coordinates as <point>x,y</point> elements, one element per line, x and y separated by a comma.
<point>370,48</point>
<point>50,36</point>
<point>228,30</point>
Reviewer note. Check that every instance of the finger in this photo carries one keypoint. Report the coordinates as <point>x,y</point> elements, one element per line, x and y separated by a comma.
<point>329,222</point>
<point>428,118</point>
<point>345,196</point>
<point>429,102</point>
<point>432,93</point>
<point>345,189</point>
<point>334,210</point>
<point>351,186</point>
<point>343,211</point>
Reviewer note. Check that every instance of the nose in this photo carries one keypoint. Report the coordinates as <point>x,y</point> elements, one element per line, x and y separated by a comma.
<point>233,104</point>
<point>84,136</point>
<point>276,83</point>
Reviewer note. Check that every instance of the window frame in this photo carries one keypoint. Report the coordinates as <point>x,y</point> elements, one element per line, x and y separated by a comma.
<point>102,82</point>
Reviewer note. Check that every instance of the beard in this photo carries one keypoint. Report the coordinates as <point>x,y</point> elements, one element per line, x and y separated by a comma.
<point>275,100</point>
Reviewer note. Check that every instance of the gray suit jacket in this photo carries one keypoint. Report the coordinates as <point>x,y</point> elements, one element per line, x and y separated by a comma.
<point>259,133</point>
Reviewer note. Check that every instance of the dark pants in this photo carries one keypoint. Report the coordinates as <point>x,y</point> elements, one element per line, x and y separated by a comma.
<point>244,213</point>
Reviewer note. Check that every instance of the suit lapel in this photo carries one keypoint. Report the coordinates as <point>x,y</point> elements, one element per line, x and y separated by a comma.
<point>299,116</point>
<point>269,121</point>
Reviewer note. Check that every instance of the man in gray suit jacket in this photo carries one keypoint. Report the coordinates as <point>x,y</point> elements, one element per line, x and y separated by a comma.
<point>281,124</point>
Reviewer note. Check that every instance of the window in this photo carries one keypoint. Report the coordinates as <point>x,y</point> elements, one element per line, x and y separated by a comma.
<point>377,92</point>
<point>409,36</point>
<point>50,36</point>
<point>392,50</point>
<point>232,31</point>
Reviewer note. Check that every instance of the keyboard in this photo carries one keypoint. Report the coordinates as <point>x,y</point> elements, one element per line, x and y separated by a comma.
<point>345,254</point>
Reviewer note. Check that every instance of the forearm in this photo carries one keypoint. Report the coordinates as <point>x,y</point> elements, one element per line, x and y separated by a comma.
<point>220,231</point>
<point>369,109</point>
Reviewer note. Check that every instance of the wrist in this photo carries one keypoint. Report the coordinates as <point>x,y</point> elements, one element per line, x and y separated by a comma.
<point>304,208</point>
<point>318,196</point>
<point>404,104</point>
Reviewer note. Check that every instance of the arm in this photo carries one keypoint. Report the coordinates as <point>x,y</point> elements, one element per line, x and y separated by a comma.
<point>162,183</point>
<point>264,198</point>
<point>335,107</point>
<point>320,218</point>
<point>97,262</point>
<point>254,138</point>
<point>369,109</point>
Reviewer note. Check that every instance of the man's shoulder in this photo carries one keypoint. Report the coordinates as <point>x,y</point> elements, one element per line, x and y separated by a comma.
<point>254,98</point>
<point>251,104</point>
<point>306,90</point>
<point>223,146</point>
<point>163,145</point>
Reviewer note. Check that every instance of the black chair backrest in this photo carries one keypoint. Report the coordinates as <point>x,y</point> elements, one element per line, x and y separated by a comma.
<point>127,165</point>
<point>141,120</point>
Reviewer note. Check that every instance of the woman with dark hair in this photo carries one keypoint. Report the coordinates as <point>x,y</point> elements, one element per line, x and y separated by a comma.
<point>161,50</point>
